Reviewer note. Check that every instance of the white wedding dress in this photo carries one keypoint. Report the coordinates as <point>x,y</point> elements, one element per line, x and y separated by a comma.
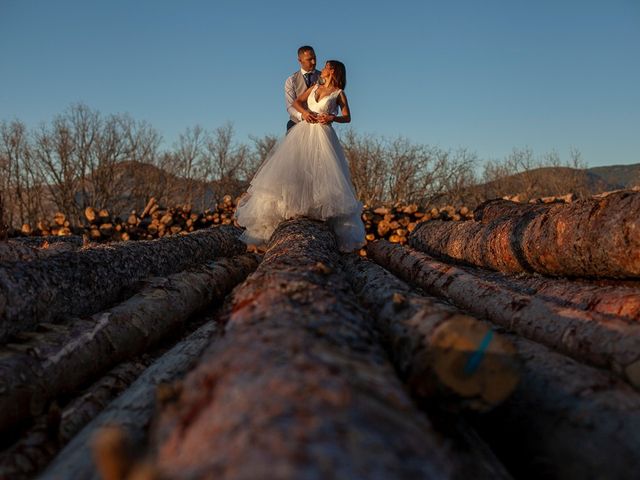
<point>305,174</point>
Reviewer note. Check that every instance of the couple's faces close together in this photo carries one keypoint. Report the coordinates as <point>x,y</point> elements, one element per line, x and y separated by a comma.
<point>308,63</point>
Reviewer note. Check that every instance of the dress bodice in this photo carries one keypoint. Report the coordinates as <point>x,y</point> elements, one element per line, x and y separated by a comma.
<point>328,104</point>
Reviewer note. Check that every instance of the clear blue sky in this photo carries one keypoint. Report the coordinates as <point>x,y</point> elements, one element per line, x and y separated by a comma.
<point>488,75</point>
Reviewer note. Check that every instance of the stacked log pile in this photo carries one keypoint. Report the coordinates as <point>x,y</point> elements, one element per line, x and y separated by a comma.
<point>412,363</point>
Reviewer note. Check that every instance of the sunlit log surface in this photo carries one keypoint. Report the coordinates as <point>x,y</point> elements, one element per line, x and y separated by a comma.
<point>89,280</point>
<point>134,409</point>
<point>590,337</point>
<point>565,420</point>
<point>597,237</point>
<point>299,387</point>
<point>439,351</point>
<point>620,298</point>
<point>61,360</point>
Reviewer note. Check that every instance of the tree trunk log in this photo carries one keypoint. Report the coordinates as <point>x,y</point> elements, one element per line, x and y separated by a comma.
<point>299,387</point>
<point>75,241</point>
<point>498,208</point>
<point>89,280</point>
<point>618,298</point>
<point>60,361</point>
<point>588,238</point>
<point>38,445</point>
<point>134,409</point>
<point>565,420</point>
<point>594,338</point>
<point>12,250</point>
<point>437,350</point>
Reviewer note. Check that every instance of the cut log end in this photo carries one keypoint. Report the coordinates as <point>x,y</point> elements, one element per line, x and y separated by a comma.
<point>478,365</point>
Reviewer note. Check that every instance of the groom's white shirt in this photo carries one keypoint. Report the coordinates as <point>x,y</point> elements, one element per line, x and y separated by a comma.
<point>293,87</point>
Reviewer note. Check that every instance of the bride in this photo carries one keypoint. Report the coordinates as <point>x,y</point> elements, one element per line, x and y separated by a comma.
<point>307,172</point>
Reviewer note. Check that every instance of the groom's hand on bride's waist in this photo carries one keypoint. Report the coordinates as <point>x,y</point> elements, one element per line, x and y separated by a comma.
<point>310,117</point>
<point>326,118</point>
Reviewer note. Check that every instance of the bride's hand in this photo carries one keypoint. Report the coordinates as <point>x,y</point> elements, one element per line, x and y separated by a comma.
<point>326,118</point>
<point>309,117</point>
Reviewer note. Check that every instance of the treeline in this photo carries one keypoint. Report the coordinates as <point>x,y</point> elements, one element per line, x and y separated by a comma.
<point>85,159</point>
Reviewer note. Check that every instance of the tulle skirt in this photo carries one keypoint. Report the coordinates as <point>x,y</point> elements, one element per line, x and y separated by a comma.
<point>306,174</point>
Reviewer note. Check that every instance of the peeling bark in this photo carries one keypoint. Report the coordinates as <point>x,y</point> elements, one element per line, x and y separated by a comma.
<point>299,387</point>
<point>590,337</point>
<point>89,280</point>
<point>134,409</point>
<point>61,360</point>
<point>588,238</point>
<point>436,349</point>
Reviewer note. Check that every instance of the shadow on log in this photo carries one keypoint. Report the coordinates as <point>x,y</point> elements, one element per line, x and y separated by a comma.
<point>61,360</point>
<point>565,420</point>
<point>90,280</point>
<point>590,337</point>
<point>588,238</point>
<point>299,387</point>
<point>133,410</point>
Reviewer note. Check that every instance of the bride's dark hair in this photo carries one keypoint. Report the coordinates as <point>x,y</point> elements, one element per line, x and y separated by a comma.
<point>339,73</point>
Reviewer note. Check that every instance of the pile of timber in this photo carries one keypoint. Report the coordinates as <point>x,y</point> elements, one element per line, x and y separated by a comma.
<point>319,365</point>
<point>406,364</point>
<point>154,221</point>
<point>396,222</point>
<point>389,222</point>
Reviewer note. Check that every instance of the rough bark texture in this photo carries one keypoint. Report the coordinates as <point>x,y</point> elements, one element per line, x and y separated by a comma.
<point>37,446</point>
<point>588,238</point>
<point>299,386</point>
<point>436,349</point>
<point>12,250</point>
<point>61,360</point>
<point>618,298</point>
<point>75,241</point>
<point>497,208</point>
<point>565,420</point>
<point>134,409</point>
<point>89,280</point>
<point>590,337</point>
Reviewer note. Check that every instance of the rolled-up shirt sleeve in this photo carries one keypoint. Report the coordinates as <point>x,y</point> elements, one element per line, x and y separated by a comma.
<point>289,97</point>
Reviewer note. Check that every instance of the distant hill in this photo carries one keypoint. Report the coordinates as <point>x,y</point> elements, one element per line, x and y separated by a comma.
<point>623,176</point>
<point>550,181</point>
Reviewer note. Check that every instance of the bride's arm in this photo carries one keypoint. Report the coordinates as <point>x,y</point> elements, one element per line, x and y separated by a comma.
<point>344,110</point>
<point>298,104</point>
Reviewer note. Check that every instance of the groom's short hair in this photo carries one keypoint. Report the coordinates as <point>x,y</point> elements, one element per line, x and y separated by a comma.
<point>305,48</point>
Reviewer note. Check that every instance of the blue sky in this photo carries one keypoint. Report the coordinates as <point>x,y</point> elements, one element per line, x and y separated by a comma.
<point>487,75</point>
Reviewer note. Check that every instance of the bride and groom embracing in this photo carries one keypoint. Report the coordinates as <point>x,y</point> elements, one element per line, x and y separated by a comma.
<point>306,173</point>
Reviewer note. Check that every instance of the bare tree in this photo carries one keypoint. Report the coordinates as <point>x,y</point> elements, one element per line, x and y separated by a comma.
<point>225,161</point>
<point>262,147</point>
<point>367,164</point>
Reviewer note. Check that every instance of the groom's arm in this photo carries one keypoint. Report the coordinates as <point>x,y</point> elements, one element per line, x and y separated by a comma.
<point>289,97</point>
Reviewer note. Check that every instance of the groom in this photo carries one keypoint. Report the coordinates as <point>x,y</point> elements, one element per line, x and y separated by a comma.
<point>299,82</point>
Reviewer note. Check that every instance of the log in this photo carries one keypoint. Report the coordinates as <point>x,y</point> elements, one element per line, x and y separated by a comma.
<point>91,279</point>
<point>61,360</point>
<point>590,337</point>
<point>299,387</point>
<point>50,432</point>
<point>497,208</point>
<point>134,409</point>
<point>565,420</point>
<point>73,241</point>
<point>587,238</point>
<point>610,297</point>
<point>436,349</point>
